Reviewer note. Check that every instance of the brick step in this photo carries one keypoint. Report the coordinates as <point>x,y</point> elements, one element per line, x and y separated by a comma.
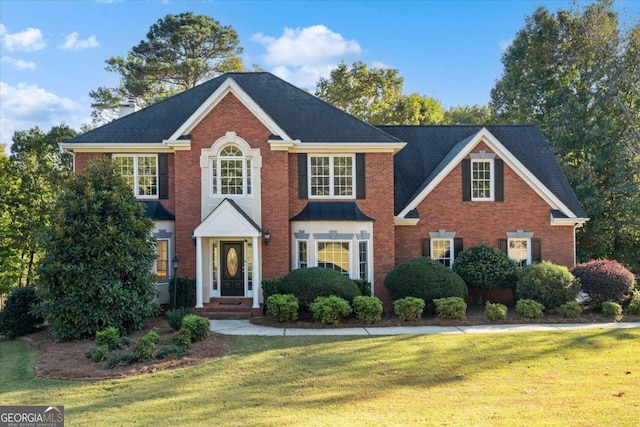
<point>227,308</point>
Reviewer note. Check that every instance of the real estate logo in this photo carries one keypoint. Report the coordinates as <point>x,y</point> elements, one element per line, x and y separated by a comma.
<point>31,416</point>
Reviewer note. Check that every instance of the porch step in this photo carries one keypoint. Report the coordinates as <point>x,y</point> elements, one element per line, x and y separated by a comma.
<point>226,308</point>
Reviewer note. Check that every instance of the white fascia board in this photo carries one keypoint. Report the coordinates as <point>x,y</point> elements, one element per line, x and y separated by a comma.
<point>347,147</point>
<point>508,158</point>
<point>179,145</point>
<point>153,147</point>
<point>228,86</point>
<point>405,221</point>
<point>578,222</point>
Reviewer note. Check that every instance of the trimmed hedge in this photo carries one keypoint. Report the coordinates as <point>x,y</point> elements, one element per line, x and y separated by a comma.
<point>451,308</point>
<point>605,280</point>
<point>495,311</point>
<point>307,284</point>
<point>550,284</point>
<point>185,290</point>
<point>529,309</point>
<point>409,308</point>
<point>367,309</point>
<point>283,308</point>
<point>197,325</point>
<point>426,279</point>
<point>611,309</point>
<point>330,310</point>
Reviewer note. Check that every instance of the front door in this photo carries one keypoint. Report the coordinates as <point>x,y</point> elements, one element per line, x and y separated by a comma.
<point>232,269</point>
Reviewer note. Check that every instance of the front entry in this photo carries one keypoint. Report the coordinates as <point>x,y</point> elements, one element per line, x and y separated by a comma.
<point>232,269</point>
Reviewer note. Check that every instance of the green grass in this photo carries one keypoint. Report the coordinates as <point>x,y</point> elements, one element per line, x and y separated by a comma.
<point>577,378</point>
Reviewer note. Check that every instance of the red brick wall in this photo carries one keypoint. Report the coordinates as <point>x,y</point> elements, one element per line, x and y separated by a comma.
<point>82,160</point>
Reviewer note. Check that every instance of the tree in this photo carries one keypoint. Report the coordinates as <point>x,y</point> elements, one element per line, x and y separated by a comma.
<point>97,271</point>
<point>575,75</point>
<point>468,115</point>
<point>180,52</point>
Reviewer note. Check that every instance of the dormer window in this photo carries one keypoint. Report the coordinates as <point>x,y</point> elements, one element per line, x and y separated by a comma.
<point>231,173</point>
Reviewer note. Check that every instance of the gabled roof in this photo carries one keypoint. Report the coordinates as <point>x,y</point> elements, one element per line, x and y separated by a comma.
<point>331,211</point>
<point>228,220</point>
<point>430,150</point>
<point>301,115</point>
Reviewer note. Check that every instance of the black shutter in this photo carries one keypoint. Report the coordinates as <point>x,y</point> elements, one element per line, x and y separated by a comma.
<point>536,252</point>
<point>502,245</point>
<point>466,180</point>
<point>499,180</point>
<point>163,176</point>
<point>457,246</point>
<point>303,192</point>
<point>426,248</point>
<point>360,180</point>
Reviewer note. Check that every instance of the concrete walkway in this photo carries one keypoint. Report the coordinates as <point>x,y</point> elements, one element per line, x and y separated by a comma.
<point>245,327</point>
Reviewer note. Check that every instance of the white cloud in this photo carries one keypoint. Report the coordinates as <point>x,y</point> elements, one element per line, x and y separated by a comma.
<point>28,40</point>
<point>18,64</point>
<point>302,55</point>
<point>74,43</point>
<point>25,106</point>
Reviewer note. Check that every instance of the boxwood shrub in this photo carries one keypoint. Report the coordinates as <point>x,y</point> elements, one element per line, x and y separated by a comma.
<point>529,309</point>
<point>634,303</point>
<point>108,337</point>
<point>611,309</point>
<point>283,308</point>
<point>495,311</point>
<point>550,284</point>
<point>307,284</point>
<point>175,316</point>
<point>409,308</point>
<point>424,278</point>
<point>571,309</point>
<point>367,309</point>
<point>330,310</point>
<point>450,308</point>
<point>197,325</point>
<point>605,280</point>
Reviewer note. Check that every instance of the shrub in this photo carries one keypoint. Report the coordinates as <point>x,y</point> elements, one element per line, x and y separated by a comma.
<point>409,308</point>
<point>634,303</point>
<point>271,287</point>
<point>605,280</point>
<point>367,309</point>
<point>18,317</point>
<point>307,284</point>
<point>529,309</point>
<point>181,338</point>
<point>329,310</point>
<point>174,317</point>
<point>495,311</point>
<point>424,278</point>
<point>611,309</point>
<point>108,337</point>
<point>185,291</point>
<point>120,359</point>
<point>123,342</point>
<point>153,336</point>
<point>571,309</point>
<point>486,268</point>
<point>145,348</point>
<point>364,286</point>
<point>100,354</point>
<point>198,326</point>
<point>549,284</point>
<point>283,308</point>
<point>450,308</point>
<point>176,350</point>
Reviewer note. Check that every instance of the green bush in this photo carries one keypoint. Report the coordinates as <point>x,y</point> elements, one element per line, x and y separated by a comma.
<point>409,308</point>
<point>181,338</point>
<point>145,348</point>
<point>450,308</point>
<point>185,290</point>
<point>634,303</point>
<point>198,326</point>
<point>364,286</point>
<point>18,317</point>
<point>495,311</point>
<point>271,287</point>
<point>367,309</point>
<point>100,354</point>
<point>330,310</point>
<point>283,308</point>
<point>307,284</point>
<point>605,280</point>
<point>175,350</point>
<point>174,317</point>
<point>550,284</point>
<point>424,278</point>
<point>153,336</point>
<point>571,309</point>
<point>108,337</point>
<point>123,342</point>
<point>486,268</point>
<point>611,309</point>
<point>120,359</point>
<point>529,309</point>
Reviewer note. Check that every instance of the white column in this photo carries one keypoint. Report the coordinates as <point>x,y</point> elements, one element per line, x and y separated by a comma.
<point>256,273</point>
<point>199,284</point>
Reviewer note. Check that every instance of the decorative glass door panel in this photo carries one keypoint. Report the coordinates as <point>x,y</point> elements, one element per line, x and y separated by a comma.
<point>232,269</point>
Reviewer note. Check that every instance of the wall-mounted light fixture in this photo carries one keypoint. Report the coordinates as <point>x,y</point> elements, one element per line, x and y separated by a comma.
<point>267,237</point>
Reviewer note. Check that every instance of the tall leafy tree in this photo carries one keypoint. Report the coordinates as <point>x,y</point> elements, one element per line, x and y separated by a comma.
<point>97,272</point>
<point>9,254</point>
<point>468,115</point>
<point>180,52</point>
<point>576,74</point>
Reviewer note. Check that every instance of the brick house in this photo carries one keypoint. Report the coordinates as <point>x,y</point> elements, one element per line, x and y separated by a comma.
<point>248,177</point>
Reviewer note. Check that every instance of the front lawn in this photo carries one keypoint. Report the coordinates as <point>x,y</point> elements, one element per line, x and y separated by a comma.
<point>557,378</point>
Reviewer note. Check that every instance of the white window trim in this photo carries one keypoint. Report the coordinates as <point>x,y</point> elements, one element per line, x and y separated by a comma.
<point>492,174</point>
<point>519,239</point>
<point>298,261</point>
<point>331,177</point>
<point>136,177</point>
<point>155,263</point>
<point>214,164</point>
<point>366,242</point>
<point>452,253</point>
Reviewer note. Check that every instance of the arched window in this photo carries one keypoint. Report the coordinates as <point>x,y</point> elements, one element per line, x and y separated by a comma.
<point>231,173</point>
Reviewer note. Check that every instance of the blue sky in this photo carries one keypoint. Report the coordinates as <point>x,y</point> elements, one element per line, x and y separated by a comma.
<point>53,52</point>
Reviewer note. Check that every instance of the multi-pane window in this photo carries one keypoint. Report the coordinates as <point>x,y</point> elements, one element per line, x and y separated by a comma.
<point>231,173</point>
<point>520,251</point>
<point>334,255</point>
<point>162,260</point>
<point>363,262</point>
<point>331,176</point>
<point>481,180</point>
<point>303,260</point>
<point>442,251</point>
<point>141,172</point>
